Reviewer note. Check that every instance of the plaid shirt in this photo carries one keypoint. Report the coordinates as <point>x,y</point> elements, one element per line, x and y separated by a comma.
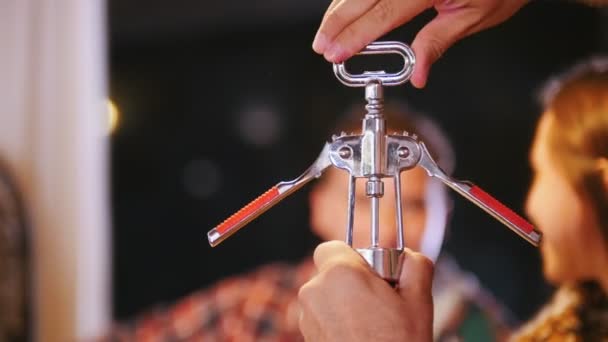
<point>263,306</point>
<point>260,306</point>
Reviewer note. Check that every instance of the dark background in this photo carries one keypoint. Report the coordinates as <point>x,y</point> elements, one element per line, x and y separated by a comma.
<point>220,100</point>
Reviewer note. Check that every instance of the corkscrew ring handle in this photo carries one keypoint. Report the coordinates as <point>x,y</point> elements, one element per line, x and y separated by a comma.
<point>387,79</point>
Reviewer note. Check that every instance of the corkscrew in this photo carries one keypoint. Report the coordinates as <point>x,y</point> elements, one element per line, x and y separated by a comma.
<point>373,154</point>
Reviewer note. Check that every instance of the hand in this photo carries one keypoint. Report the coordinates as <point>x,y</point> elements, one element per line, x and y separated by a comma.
<point>350,25</point>
<point>347,301</point>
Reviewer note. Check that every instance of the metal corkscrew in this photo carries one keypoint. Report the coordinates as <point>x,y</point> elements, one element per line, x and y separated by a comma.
<point>376,155</point>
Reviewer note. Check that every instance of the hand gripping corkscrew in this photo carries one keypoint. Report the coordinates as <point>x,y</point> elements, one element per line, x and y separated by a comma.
<point>375,155</point>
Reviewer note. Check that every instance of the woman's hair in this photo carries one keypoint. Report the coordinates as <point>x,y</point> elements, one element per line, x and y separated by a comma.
<point>578,138</point>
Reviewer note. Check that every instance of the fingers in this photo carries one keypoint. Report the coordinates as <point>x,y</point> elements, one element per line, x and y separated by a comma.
<point>454,22</point>
<point>349,25</point>
<point>415,288</point>
<point>340,14</point>
<point>353,24</point>
<point>416,277</point>
<point>332,253</point>
<point>342,275</point>
<point>336,302</point>
<point>309,327</point>
<point>435,38</point>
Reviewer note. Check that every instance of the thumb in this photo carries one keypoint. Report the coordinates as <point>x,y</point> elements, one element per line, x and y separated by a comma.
<point>434,39</point>
<point>416,280</point>
<point>415,289</point>
<point>331,253</point>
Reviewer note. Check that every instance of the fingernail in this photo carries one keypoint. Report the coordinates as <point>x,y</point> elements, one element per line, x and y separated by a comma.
<point>418,81</point>
<point>320,42</point>
<point>334,53</point>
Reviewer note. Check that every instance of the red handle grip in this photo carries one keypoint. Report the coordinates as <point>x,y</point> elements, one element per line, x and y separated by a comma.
<point>248,212</point>
<point>500,208</point>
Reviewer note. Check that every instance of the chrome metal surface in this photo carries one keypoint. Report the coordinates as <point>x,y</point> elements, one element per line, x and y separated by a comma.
<point>387,79</point>
<point>395,164</point>
<point>375,217</point>
<point>314,171</point>
<point>464,189</point>
<point>399,204</point>
<point>387,262</point>
<point>374,92</point>
<point>373,151</point>
<point>374,187</point>
<point>352,184</point>
<point>215,237</point>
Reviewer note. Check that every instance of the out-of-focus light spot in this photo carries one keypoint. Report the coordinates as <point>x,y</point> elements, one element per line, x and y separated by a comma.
<point>202,178</point>
<point>113,116</point>
<point>259,124</point>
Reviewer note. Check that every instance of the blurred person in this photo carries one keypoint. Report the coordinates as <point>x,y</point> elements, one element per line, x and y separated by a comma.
<point>568,202</point>
<point>349,25</point>
<point>14,261</point>
<point>262,305</point>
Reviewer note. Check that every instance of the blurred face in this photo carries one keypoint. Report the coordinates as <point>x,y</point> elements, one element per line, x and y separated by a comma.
<point>329,208</point>
<point>572,244</point>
